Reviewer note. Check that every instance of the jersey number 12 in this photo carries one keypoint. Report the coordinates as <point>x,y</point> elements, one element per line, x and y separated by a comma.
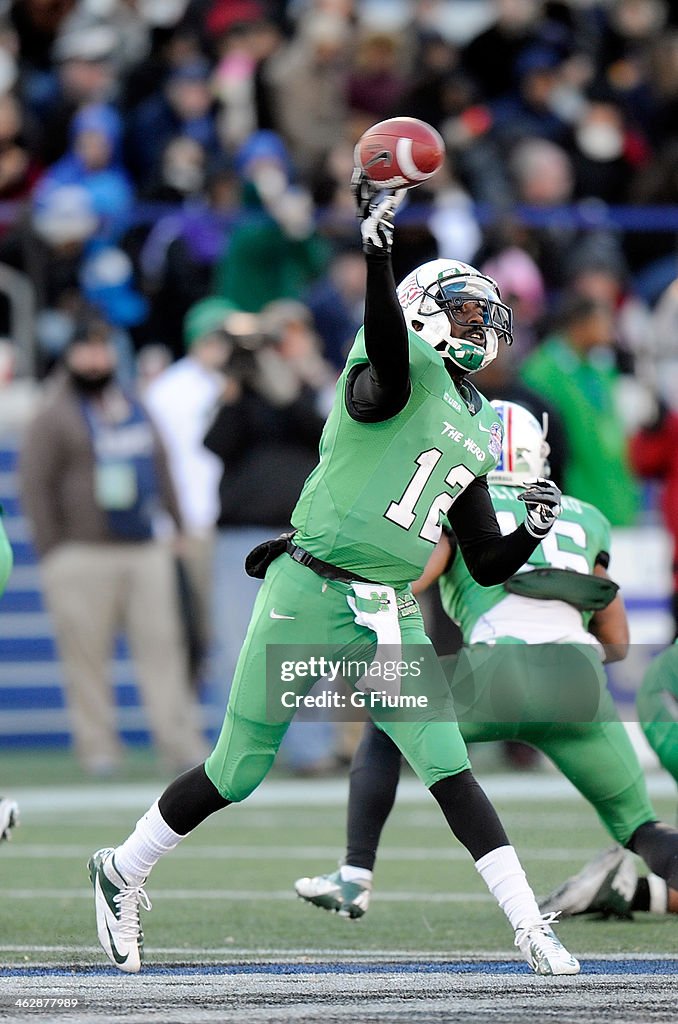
<point>403,512</point>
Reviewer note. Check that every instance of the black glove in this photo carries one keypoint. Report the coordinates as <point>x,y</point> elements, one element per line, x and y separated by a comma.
<point>542,498</point>
<point>376,208</point>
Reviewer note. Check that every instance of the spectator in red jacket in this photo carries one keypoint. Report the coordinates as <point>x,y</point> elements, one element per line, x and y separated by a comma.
<point>653,452</point>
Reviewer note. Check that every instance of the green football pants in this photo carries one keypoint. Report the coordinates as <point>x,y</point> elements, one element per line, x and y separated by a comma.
<point>554,697</point>
<point>298,613</point>
<point>657,706</point>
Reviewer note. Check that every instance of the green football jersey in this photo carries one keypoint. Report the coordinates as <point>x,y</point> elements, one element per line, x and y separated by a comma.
<point>574,542</point>
<point>375,502</point>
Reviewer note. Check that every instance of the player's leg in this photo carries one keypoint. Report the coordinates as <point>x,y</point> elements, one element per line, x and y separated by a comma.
<point>600,761</point>
<point>373,781</point>
<point>252,731</point>
<point>609,885</point>
<point>436,751</point>
<point>374,775</point>
<point>657,706</point>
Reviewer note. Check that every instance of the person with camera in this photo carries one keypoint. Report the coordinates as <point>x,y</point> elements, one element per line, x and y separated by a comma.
<point>266,434</point>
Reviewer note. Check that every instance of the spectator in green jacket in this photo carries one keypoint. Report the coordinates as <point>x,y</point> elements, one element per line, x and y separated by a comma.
<point>574,369</point>
<point>275,253</point>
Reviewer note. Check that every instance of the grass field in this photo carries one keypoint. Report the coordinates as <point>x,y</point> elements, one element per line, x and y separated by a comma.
<point>224,897</point>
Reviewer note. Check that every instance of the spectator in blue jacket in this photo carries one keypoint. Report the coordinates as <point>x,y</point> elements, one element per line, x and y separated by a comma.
<point>94,160</point>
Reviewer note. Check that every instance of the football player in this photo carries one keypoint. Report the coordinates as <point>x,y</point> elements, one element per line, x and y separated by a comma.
<point>409,439</point>
<point>610,884</point>
<point>532,671</point>
<point>9,811</point>
<point>657,706</point>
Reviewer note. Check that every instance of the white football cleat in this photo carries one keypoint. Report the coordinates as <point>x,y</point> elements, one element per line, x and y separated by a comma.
<point>331,892</point>
<point>9,817</point>
<point>606,885</point>
<point>543,951</point>
<point>116,906</point>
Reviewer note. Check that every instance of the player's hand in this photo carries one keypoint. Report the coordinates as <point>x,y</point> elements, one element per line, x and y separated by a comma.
<point>364,191</point>
<point>376,207</point>
<point>542,499</point>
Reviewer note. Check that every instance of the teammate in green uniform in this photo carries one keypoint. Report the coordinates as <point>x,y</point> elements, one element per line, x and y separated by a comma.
<point>609,884</point>
<point>9,811</point>
<point>532,671</point>
<point>657,706</point>
<point>409,440</point>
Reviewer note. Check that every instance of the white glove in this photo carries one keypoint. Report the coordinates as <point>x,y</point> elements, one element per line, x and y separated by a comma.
<point>542,499</point>
<point>377,208</point>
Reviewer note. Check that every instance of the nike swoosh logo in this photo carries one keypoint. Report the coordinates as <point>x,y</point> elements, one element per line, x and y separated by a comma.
<point>382,157</point>
<point>274,615</point>
<point>485,430</point>
<point>116,956</point>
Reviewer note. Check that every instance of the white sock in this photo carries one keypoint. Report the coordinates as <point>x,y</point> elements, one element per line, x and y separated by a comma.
<point>351,874</point>
<point>659,894</point>
<point>504,877</point>
<point>151,838</point>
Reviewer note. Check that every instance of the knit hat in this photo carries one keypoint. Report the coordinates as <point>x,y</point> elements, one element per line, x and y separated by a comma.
<point>206,316</point>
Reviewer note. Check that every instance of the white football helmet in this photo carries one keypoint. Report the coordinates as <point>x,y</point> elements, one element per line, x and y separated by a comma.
<point>432,298</point>
<point>524,450</point>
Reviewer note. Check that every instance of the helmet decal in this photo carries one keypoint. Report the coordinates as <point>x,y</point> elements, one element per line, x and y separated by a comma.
<point>495,441</point>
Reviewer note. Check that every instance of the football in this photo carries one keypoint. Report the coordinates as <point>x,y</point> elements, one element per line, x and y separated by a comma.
<point>400,152</point>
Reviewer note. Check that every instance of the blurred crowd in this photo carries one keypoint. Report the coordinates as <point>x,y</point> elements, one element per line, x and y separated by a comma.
<point>154,153</point>
<point>174,187</point>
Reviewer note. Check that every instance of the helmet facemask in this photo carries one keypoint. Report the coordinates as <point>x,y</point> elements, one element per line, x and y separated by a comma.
<point>466,336</point>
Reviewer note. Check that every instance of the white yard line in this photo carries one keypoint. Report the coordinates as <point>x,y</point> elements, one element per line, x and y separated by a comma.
<point>35,851</point>
<point>241,895</point>
<point>314,954</point>
<point>306,793</point>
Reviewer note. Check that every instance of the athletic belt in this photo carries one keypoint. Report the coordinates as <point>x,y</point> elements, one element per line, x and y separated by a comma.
<point>324,569</point>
